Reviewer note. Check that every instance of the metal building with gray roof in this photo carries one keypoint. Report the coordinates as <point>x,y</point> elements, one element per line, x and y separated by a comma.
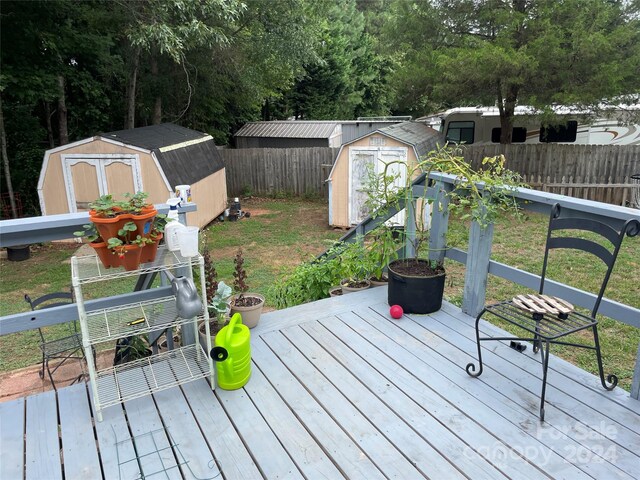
<point>289,134</point>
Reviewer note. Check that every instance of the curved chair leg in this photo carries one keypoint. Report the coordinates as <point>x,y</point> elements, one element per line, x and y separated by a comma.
<point>471,368</point>
<point>537,344</point>
<point>611,378</point>
<point>545,366</point>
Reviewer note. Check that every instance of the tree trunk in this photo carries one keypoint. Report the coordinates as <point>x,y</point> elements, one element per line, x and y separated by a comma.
<point>130,120</point>
<point>62,111</point>
<point>157,107</point>
<point>507,114</point>
<point>47,119</point>
<point>5,163</point>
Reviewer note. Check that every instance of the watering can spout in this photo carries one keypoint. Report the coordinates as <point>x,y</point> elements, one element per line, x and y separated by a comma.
<point>233,354</point>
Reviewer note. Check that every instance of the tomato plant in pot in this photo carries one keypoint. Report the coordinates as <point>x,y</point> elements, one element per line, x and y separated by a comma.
<point>417,284</point>
<point>249,305</point>
<point>356,267</point>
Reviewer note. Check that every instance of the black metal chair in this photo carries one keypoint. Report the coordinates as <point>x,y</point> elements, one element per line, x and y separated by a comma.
<point>63,348</point>
<point>547,328</point>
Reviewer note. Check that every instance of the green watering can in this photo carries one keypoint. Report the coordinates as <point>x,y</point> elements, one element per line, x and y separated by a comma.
<point>233,354</point>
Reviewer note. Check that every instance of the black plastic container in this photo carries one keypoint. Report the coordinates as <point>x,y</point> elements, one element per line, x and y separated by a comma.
<point>18,253</point>
<point>415,294</point>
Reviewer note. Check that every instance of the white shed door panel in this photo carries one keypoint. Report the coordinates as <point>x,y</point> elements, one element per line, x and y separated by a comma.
<point>363,159</point>
<point>360,162</point>
<point>87,177</point>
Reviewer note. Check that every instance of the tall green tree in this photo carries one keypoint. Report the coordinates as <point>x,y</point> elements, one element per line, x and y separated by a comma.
<point>507,52</point>
<point>346,79</point>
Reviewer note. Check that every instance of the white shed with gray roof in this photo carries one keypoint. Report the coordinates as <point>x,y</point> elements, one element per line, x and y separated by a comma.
<point>398,144</point>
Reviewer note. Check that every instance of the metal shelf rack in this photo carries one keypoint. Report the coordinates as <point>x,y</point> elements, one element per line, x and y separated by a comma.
<point>141,377</point>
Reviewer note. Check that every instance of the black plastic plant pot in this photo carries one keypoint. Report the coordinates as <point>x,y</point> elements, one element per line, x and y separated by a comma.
<point>416,294</point>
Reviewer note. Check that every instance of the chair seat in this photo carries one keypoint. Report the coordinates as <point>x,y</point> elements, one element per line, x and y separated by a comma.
<point>545,326</point>
<point>60,345</point>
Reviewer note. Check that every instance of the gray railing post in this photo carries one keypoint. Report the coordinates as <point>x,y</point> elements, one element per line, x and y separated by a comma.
<point>439,222</point>
<point>410,230</point>
<point>477,268</point>
<point>635,383</point>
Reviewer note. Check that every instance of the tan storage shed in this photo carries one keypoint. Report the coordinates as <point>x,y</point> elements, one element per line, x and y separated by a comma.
<point>404,142</point>
<point>153,159</point>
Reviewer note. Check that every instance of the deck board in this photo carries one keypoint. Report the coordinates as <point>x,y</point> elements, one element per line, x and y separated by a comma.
<point>12,438</point>
<point>230,453</point>
<point>416,450</point>
<point>42,452</point>
<point>360,425</point>
<point>346,454</point>
<point>78,445</point>
<point>561,433</point>
<point>339,389</point>
<point>310,459</point>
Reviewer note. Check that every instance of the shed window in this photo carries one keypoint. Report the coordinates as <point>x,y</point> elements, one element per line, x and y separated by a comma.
<point>377,141</point>
<point>518,135</point>
<point>460,132</point>
<point>559,133</point>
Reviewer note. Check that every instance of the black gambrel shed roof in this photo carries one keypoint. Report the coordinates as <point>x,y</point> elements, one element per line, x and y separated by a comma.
<point>185,156</point>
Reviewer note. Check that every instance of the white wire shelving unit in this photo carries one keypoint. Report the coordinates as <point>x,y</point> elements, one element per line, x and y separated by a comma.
<point>151,374</point>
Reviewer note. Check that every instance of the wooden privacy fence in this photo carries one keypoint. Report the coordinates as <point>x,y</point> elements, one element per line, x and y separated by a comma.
<point>592,172</point>
<point>269,171</point>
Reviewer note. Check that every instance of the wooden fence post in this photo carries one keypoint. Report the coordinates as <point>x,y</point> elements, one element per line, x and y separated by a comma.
<point>477,268</point>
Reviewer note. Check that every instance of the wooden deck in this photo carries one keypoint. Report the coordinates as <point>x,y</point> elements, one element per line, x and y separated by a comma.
<point>339,389</point>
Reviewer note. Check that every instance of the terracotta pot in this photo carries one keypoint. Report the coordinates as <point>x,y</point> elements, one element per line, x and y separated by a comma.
<point>144,222</point>
<point>347,289</point>
<point>150,250</point>
<point>250,315</point>
<point>130,260</point>
<point>108,227</point>
<point>105,255</point>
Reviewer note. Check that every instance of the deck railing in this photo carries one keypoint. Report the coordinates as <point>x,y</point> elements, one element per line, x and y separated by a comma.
<point>477,258</point>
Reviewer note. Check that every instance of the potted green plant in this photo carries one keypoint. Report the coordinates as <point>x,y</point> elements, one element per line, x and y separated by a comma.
<point>128,248</point>
<point>110,215</point>
<point>417,284</point>
<point>219,312</point>
<point>249,305</point>
<point>382,250</point>
<point>356,266</point>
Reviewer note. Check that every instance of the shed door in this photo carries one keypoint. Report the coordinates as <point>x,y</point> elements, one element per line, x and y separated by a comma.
<point>89,176</point>
<point>363,160</point>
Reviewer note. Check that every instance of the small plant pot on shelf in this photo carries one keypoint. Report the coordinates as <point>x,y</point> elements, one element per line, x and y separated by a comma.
<point>105,255</point>
<point>129,257</point>
<point>249,306</point>
<point>354,286</point>
<point>150,250</point>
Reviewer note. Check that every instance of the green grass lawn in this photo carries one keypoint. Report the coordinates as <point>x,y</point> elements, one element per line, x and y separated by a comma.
<point>282,233</point>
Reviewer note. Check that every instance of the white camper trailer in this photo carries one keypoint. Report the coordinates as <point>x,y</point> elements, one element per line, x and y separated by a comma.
<point>481,125</point>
